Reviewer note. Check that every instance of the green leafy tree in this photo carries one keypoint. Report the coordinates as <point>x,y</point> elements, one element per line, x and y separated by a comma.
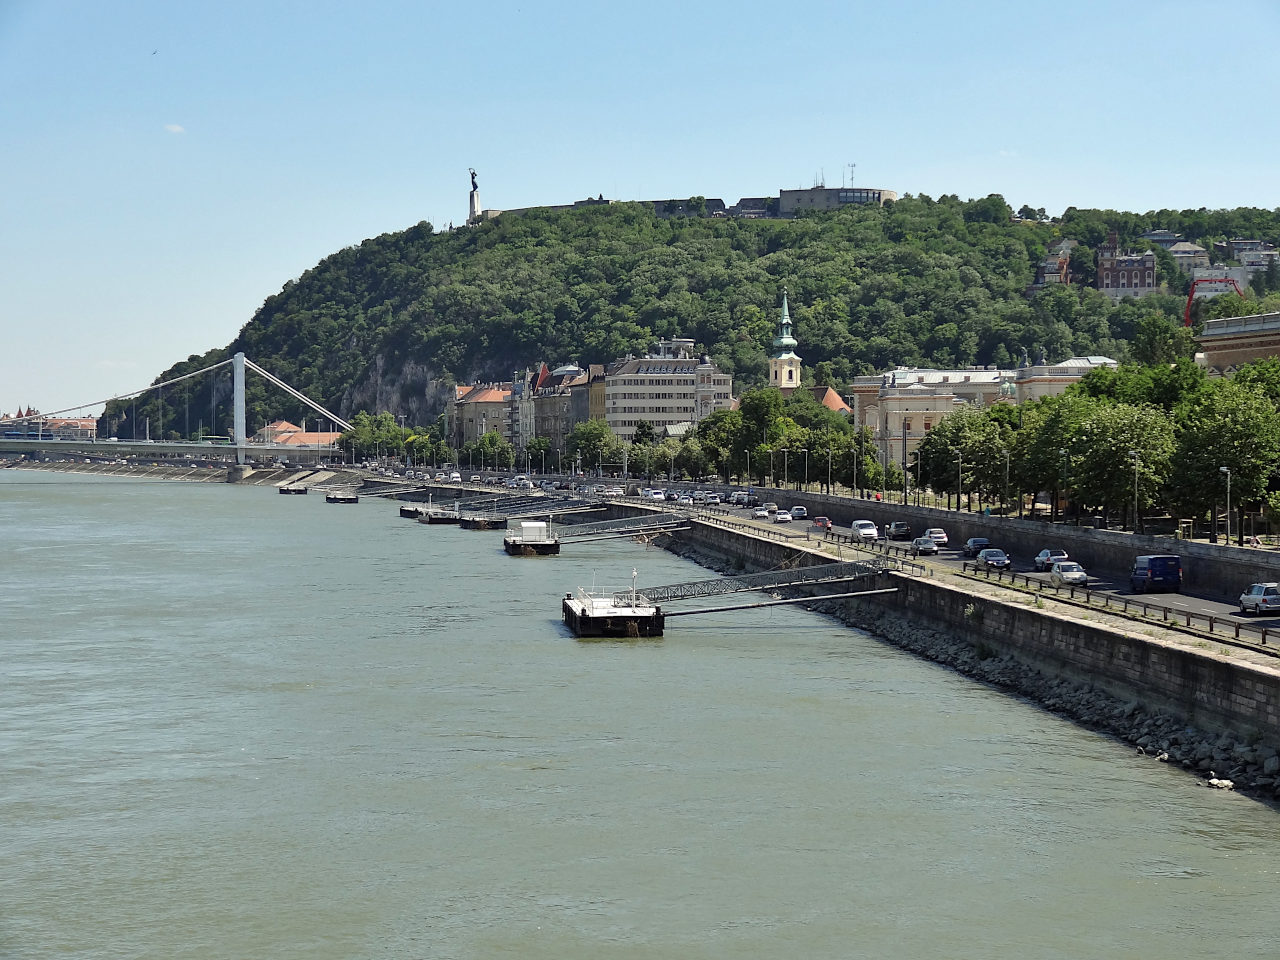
<point>593,443</point>
<point>644,433</point>
<point>1234,426</point>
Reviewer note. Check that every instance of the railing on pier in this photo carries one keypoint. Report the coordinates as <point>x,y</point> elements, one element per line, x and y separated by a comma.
<point>819,573</point>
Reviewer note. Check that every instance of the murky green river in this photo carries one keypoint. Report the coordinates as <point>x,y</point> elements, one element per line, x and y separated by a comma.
<point>235,724</point>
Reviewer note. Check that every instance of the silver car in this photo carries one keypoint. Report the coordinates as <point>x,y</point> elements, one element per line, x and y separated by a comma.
<point>1067,573</point>
<point>924,545</point>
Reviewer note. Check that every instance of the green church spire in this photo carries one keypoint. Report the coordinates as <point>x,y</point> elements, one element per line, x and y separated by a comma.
<point>784,344</point>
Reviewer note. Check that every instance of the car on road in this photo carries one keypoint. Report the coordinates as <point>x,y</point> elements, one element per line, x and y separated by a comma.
<point>1067,573</point>
<point>760,513</point>
<point>455,477</point>
<point>974,546</point>
<point>712,499</point>
<point>782,516</point>
<point>685,501</point>
<point>1046,558</point>
<point>1156,571</point>
<point>1261,598</point>
<point>799,513</point>
<point>821,523</point>
<point>866,531</point>
<point>922,546</point>
<point>991,558</point>
<point>770,508</point>
<point>937,535</point>
<point>475,478</point>
<point>898,530</point>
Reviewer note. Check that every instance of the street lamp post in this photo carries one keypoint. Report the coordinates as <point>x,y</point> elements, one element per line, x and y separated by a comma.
<point>786,453</point>
<point>1227,471</point>
<point>1062,482</point>
<point>959,478</point>
<point>805,451</point>
<point>404,449</point>
<point>828,471</point>
<point>544,461</point>
<point>1134,454</point>
<point>1006,483</point>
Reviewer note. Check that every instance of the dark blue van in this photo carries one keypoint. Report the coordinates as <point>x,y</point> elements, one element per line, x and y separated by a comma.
<point>1156,573</point>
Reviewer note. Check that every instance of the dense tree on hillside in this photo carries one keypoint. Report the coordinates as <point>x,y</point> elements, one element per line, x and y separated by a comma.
<point>391,324</point>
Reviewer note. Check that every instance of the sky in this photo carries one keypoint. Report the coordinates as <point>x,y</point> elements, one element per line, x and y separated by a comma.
<point>168,166</point>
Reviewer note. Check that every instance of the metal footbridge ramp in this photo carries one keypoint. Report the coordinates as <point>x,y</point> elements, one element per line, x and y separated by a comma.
<point>818,574</point>
<point>631,526</point>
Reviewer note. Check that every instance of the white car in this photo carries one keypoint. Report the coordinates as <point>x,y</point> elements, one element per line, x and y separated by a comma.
<point>760,513</point>
<point>938,535</point>
<point>455,477</point>
<point>799,513</point>
<point>782,516</point>
<point>866,531</point>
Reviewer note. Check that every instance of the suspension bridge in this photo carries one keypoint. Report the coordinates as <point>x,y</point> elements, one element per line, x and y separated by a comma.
<point>14,440</point>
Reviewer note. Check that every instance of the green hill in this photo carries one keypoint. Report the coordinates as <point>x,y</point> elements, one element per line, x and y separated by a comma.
<point>392,323</point>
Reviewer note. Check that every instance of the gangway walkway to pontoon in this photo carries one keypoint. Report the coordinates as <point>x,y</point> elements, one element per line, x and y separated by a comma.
<point>798,576</point>
<point>629,527</point>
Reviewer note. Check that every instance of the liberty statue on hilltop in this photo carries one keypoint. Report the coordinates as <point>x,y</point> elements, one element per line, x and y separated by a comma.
<point>474,204</point>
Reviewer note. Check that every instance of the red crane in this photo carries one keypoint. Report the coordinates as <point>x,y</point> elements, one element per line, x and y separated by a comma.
<point>1186,316</point>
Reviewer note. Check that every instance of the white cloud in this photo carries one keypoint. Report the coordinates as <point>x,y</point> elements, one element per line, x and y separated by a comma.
<point>175,128</point>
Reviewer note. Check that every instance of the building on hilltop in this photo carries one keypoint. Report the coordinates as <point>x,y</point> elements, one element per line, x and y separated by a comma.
<point>791,202</point>
<point>1162,238</point>
<point>667,387</point>
<point>1125,274</point>
<point>1188,256</point>
<point>784,363</point>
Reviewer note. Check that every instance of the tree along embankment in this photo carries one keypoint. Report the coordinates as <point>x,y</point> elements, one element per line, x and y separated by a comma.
<point>1187,703</point>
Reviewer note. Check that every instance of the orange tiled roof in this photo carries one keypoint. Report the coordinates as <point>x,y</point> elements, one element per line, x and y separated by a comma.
<point>301,439</point>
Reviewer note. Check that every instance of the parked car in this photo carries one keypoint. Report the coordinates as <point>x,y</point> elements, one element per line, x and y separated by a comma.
<point>821,523</point>
<point>712,499</point>
<point>1048,557</point>
<point>685,501</point>
<point>922,546</point>
<point>937,535</point>
<point>866,531</point>
<point>1261,598</point>
<point>898,530</point>
<point>1067,573</point>
<point>799,513</point>
<point>782,516</point>
<point>975,545</point>
<point>1158,571</point>
<point>991,558</point>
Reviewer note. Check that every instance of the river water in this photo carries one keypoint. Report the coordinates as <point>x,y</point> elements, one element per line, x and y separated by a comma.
<point>235,724</point>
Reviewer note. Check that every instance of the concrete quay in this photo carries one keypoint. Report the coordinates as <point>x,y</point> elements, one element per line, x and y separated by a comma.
<point>1211,710</point>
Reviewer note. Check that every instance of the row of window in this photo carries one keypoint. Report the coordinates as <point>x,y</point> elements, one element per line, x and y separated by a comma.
<point>682,410</point>
<point>649,396</point>
<point>649,382</point>
<point>1124,277</point>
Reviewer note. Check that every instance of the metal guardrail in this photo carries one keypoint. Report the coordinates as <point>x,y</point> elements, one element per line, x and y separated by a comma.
<point>1220,626</point>
<point>729,583</point>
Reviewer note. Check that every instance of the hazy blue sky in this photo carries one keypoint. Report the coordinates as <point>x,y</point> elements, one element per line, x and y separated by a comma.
<point>167,166</point>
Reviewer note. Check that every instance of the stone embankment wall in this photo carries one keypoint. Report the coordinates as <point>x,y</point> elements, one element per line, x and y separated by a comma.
<point>1195,706</point>
<point>1213,569</point>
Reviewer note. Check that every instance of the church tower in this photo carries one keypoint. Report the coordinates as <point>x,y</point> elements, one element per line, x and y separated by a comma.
<point>784,364</point>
